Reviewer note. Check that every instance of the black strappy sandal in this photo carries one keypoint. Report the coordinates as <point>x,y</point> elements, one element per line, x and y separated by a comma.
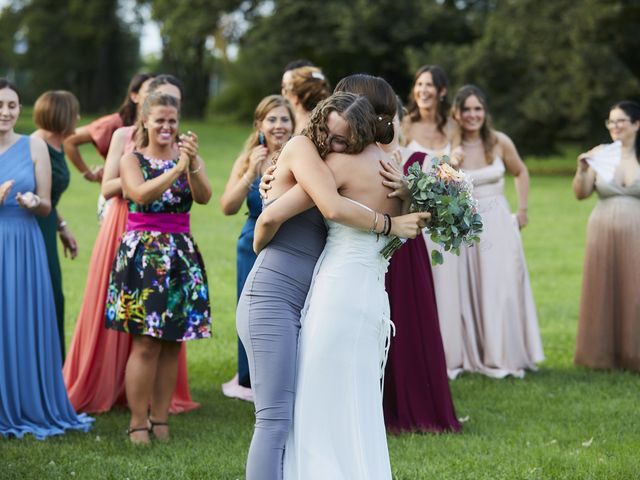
<point>153,424</point>
<point>137,429</point>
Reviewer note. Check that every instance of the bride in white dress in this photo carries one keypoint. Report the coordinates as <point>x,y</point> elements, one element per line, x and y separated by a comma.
<point>338,426</point>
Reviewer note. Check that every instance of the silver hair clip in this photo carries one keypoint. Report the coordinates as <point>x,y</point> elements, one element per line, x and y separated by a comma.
<point>317,75</point>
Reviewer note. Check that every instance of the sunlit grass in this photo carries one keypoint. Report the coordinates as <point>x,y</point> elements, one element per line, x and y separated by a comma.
<point>561,422</point>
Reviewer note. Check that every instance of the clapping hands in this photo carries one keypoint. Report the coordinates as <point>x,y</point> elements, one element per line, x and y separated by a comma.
<point>28,200</point>
<point>188,146</point>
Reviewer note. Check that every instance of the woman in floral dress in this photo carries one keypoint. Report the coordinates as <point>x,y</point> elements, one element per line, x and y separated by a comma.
<point>158,288</point>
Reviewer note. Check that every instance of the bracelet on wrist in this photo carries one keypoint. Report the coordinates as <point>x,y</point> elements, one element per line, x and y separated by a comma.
<point>387,225</point>
<point>193,172</point>
<point>375,223</point>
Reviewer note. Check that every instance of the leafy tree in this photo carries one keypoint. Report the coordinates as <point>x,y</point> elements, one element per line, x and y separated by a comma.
<point>81,46</point>
<point>373,36</point>
<point>548,69</point>
<point>186,27</point>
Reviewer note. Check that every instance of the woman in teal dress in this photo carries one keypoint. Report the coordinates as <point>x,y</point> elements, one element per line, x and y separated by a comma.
<point>158,287</point>
<point>274,122</point>
<point>55,113</point>
<point>32,394</point>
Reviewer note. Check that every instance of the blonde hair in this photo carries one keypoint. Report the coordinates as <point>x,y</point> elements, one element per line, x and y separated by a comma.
<point>56,111</point>
<point>264,107</point>
<point>310,86</point>
<point>153,100</point>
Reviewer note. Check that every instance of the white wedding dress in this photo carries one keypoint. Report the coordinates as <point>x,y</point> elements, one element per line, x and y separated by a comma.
<point>338,428</point>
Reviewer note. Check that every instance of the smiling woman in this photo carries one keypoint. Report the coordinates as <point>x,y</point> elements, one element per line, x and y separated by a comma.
<point>609,324</point>
<point>33,398</point>
<point>274,122</point>
<point>158,288</point>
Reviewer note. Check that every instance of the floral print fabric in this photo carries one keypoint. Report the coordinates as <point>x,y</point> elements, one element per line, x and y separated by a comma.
<point>158,285</point>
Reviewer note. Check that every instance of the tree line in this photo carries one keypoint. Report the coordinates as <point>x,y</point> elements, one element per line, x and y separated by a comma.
<point>550,69</point>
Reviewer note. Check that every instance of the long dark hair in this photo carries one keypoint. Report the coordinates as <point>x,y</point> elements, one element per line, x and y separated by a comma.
<point>487,133</point>
<point>129,110</point>
<point>632,109</point>
<point>4,83</point>
<point>441,82</point>
<point>378,91</point>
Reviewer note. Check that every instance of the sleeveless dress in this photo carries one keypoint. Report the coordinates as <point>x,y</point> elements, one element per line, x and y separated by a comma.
<point>60,178</point>
<point>490,325</point>
<point>158,285</point>
<point>245,259</point>
<point>95,367</point>
<point>416,388</point>
<point>32,394</point>
<point>609,324</point>
<point>338,427</point>
<point>268,322</point>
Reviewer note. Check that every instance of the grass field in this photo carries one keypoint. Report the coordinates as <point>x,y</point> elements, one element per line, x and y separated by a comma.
<point>561,422</point>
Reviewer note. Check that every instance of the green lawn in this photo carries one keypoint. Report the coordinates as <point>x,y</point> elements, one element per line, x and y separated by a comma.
<point>561,422</point>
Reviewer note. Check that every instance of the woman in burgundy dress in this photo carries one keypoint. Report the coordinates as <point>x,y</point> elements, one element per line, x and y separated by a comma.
<point>417,397</point>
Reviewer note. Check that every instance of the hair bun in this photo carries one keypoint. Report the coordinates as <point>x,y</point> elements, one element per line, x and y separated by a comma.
<point>384,129</point>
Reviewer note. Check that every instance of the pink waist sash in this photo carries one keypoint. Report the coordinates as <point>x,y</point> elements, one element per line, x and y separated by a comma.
<point>158,222</point>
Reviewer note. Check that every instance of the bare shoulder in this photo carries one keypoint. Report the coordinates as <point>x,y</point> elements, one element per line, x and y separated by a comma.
<point>297,148</point>
<point>38,147</point>
<point>504,140</point>
<point>119,133</point>
<point>298,143</point>
<point>371,153</point>
<point>129,159</point>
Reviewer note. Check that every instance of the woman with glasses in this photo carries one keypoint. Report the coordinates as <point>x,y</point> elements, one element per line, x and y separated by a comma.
<point>609,323</point>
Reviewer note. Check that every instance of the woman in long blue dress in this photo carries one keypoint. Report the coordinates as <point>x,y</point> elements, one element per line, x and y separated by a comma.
<point>274,122</point>
<point>32,394</point>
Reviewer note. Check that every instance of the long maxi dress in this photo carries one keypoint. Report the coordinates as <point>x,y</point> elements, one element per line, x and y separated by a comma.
<point>609,323</point>
<point>338,426</point>
<point>245,259</point>
<point>95,366</point>
<point>268,322</point>
<point>490,325</point>
<point>60,178</point>
<point>32,394</point>
<point>417,396</point>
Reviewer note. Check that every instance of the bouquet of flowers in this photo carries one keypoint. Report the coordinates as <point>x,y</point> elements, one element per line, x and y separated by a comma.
<point>446,194</point>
